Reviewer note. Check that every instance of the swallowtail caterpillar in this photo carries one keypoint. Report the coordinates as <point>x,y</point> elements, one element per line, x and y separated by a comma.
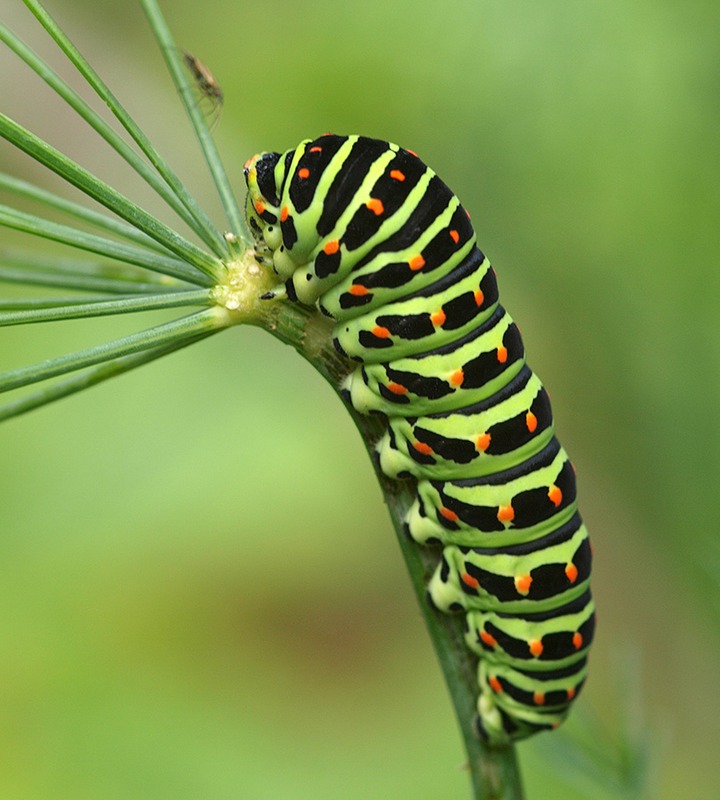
<point>371,235</point>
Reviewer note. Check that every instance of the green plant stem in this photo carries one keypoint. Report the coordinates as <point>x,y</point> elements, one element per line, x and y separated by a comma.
<point>494,771</point>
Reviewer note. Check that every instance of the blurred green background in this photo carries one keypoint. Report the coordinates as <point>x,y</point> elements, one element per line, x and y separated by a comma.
<point>201,593</point>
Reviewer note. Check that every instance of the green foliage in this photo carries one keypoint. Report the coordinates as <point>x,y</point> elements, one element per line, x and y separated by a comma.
<point>193,592</point>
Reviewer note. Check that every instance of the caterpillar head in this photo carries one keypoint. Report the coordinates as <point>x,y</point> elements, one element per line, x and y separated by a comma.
<point>263,201</point>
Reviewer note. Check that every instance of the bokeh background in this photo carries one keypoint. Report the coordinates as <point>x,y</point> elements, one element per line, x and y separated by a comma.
<point>201,594</point>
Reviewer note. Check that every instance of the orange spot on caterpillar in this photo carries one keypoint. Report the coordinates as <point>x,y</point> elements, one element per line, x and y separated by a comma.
<point>438,318</point>
<point>397,388</point>
<point>284,213</point>
<point>316,149</point>
<point>416,263</point>
<point>506,513</point>
<point>449,514</point>
<point>483,442</point>
<point>555,495</point>
<point>250,161</point>
<point>487,639</point>
<point>502,354</point>
<point>331,247</point>
<point>455,236</point>
<point>577,640</point>
<point>522,583</point>
<point>412,153</point>
<point>259,206</point>
<point>479,297</point>
<point>457,378</point>
<point>396,175</point>
<point>303,173</point>
<point>376,206</point>
<point>572,572</point>
<point>570,693</point>
<point>467,212</point>
<point>357,290</point>
<point>536,647</point>
<point>539,698</point>
<point>423,448</point>
<point>380,332</point>
<point>468,580</point>
<point>495,684</point>
<point>531,421</point>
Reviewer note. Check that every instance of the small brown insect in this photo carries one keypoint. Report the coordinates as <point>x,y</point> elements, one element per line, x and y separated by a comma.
<point>205,81</point>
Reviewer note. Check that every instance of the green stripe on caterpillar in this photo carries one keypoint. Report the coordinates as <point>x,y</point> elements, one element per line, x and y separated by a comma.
<point>366,231</point>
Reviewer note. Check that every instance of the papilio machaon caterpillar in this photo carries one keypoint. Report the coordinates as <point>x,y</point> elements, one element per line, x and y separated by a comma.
<point>369,233</point>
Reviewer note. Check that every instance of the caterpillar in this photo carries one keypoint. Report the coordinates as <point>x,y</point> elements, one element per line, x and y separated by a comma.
<point>371,235</point>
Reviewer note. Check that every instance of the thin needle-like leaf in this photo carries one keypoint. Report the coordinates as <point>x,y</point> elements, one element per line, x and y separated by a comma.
<point>36,303</point>
<point>72,172</point>
<point>197,221</point>
<point>95,218</point>
<point>161,335</point>
<point>104,93</point>
<point>179,75</point>
<point>39,226</point>
<point>76,281</point>
<point>123,305</point>
<point>77,264</point>
<point>91,377</point>
<point>33,269</point>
